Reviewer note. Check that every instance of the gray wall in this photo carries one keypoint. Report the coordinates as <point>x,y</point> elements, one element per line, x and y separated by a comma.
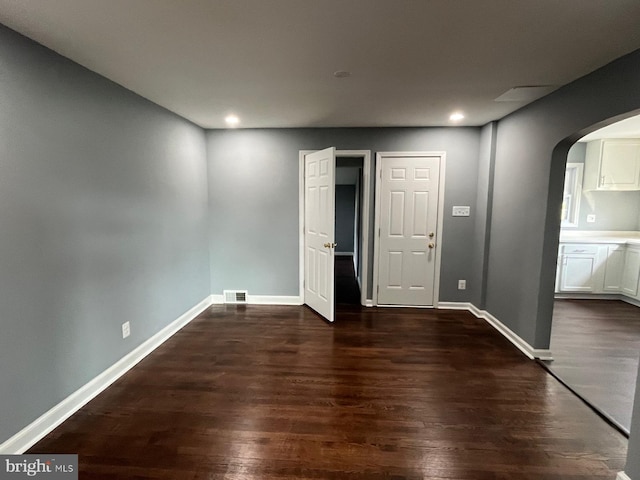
<point>253,182</point>
<point>616,211</point>
<point>482,232</point>
<point>103,206</point>
<point>345,217</point>
<point>577,153</point>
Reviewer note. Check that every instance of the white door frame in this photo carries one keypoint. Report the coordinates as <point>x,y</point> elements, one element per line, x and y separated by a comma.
<point>380,156</point>
<point>366,174</point>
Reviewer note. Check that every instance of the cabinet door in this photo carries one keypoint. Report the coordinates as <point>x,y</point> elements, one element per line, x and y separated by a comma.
<point>631,272</point>
<point>613,268</point>
<point>577,273</point>
<point>620,165</point>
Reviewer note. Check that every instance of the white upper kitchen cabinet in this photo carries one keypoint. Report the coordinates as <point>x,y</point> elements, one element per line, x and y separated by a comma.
<point>612,164</point>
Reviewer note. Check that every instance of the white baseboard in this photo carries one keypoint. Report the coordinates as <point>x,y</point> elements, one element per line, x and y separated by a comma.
<point>588,296</point>
<point>273,300</point>
<point>598,296</point>
<point>522,345</point>
<point>420,307</point>
<point>623,476</point>
<point>264,300</point>
<point>630,300</point>
<point>528,350</point>
<point>36,430</point>
<point>456,306</point>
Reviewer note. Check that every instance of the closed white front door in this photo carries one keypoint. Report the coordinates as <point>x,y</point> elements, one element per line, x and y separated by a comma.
<point>408,236</point>
<point>319,230</point>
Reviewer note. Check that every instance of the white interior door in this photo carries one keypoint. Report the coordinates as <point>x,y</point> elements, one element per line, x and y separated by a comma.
<point>408,236</point>
<point>319,231</point>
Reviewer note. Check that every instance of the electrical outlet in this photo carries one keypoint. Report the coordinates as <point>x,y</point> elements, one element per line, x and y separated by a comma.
<point>459,211</point>
<point>591,218</point>
<point>126,329</point>
<point>462,284</point>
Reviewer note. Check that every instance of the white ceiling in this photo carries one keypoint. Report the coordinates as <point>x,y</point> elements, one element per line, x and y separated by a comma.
<point>271,62</point>
<point>628,128</point>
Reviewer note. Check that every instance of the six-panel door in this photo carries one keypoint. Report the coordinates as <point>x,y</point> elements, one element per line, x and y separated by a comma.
<point>408,237</point>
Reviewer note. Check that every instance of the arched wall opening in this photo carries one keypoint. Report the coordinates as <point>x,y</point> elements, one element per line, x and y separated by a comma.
<point>593,327</point>
<point>553,221</point>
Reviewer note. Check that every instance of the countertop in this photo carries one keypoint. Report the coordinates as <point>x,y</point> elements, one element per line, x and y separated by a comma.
<point>621,238</point>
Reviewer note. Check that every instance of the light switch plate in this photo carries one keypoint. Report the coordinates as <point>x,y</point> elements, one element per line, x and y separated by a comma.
<point>591,218</point>
<point>461,211</point>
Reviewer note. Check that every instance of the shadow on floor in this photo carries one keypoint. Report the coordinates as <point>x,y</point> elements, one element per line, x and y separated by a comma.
<point>347,290</point>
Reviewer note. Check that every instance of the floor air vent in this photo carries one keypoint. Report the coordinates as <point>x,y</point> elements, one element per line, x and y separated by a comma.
<point>235,296</point>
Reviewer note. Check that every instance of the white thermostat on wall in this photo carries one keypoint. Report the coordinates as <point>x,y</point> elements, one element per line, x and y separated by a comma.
<point>461,211</point>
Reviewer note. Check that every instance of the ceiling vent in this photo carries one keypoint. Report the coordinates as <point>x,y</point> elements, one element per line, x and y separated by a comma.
<point>235,296</point>
<point>525,93</point>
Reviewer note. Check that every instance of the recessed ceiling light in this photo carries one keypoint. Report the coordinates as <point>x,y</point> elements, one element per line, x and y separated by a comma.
<point>341,74</point>
<point>232,120</point>
<point>456,116</point>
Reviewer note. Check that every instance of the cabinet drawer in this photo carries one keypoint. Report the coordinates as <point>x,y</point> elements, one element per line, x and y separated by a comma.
<point>579,249</point>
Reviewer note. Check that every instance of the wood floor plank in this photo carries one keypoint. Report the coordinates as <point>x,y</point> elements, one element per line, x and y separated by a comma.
<point>264,392</point>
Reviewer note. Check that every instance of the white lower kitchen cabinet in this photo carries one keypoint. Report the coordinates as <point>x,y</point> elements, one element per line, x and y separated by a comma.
<point>631,272</point>
<point>599,268</point>
<point>578,268</point>
<point>614,266</point>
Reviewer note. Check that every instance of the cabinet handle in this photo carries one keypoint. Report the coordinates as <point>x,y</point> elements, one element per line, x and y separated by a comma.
<point>579,251</point>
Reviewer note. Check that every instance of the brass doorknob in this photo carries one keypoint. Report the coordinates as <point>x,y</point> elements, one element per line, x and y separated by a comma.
<point>327,245</point>
<point>432,245</point>
<point>431,235</point>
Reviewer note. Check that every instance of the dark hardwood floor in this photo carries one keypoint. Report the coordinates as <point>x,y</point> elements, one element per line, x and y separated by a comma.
<point>595,346</point>
<point>261,392</point>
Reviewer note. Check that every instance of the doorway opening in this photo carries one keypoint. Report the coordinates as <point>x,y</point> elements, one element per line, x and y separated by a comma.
<point>340,176</point>
<point>595,330</point>
<point>348,230</point>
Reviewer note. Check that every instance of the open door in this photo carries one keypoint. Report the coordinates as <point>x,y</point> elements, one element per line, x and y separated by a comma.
<point>319,226</point>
